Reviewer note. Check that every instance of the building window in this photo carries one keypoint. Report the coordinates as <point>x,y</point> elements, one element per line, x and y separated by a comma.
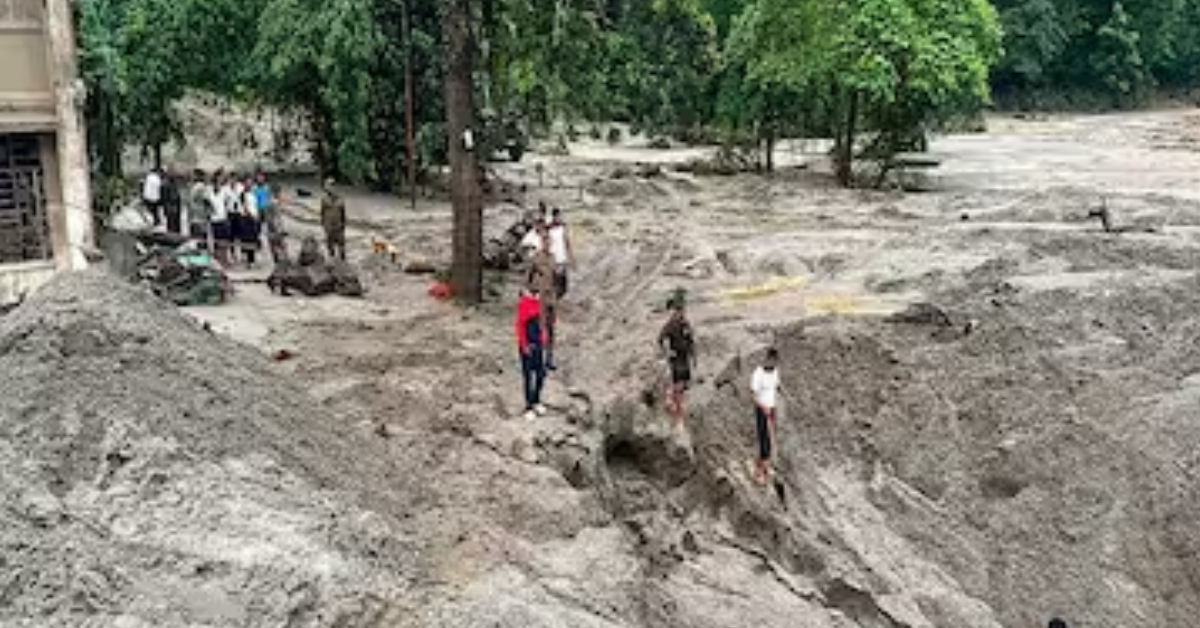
<point>24,231</point>
<point>21,13</point>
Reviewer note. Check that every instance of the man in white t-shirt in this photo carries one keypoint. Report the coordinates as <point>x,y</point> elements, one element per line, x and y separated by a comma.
<point>560,249</point>
<point>534,240</point>
<point>765,386</point>
<point>152,195</point>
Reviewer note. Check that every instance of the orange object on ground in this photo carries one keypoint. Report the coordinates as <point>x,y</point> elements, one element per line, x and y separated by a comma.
<point>441,290</point>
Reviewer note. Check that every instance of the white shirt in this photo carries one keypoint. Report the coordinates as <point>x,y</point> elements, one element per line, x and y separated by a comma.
<point>558,244</point>
<point>152,188</point>
<point>250,204</point>
<point>765,386</point>
<point>223,203</point>
<point>532,241</point>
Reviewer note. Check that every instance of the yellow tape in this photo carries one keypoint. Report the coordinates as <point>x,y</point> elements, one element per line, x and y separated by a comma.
<point>834,304</point>
<point>759,291</point>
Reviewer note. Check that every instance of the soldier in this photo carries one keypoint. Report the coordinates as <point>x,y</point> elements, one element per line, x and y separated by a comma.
<point>276,233</point>
<point>333,219</point>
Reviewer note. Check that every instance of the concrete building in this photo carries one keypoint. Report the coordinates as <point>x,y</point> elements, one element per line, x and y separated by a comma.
<point>45,199</point>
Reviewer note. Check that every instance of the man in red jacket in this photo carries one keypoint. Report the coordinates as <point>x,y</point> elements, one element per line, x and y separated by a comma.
<point>531,341</point>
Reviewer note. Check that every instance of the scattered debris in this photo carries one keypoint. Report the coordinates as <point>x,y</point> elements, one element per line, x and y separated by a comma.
<point>922,314</point>
<point>420,267</point>
<point>174,268</point>
<point>660,143</point>
<point>504,251</point>
<point>312,275</point>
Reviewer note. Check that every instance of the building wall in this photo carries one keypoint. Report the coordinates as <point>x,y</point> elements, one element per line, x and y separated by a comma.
<point>40,94</point>
<point>24,64</point>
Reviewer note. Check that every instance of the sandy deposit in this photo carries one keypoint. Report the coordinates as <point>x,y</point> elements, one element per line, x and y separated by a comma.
<point>158,475</point>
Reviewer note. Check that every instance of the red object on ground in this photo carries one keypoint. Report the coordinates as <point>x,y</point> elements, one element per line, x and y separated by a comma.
<point>441,291</point>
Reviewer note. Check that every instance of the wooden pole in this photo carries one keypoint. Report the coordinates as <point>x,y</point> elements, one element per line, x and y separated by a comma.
<point>408,107</point>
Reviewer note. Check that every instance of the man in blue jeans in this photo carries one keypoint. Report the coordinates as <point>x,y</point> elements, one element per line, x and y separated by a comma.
<point>531,342</point>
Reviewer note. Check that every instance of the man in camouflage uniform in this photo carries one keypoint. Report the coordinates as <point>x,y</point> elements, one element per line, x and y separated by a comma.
<point>333,219</point>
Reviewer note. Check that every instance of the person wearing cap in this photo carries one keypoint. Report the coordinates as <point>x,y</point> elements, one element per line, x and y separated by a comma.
<point>333,219</point>
<point>677,341</point>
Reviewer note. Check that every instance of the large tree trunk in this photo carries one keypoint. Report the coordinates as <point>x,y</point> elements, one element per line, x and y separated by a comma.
<point>466,273</point>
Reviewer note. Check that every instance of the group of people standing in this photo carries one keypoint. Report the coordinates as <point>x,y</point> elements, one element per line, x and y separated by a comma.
<point>226,211</point>
<point>548,244</point>
<point>678,343</point>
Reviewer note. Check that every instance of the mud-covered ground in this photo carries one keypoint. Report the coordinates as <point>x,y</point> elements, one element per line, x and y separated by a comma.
<point>1029,454</point>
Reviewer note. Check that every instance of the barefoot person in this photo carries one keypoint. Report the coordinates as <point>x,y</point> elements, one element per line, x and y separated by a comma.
<point>765,386</point>
<point>677,341</point>
<point>531,338</point>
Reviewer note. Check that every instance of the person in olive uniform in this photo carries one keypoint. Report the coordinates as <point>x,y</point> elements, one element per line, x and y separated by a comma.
<point>333,219</point>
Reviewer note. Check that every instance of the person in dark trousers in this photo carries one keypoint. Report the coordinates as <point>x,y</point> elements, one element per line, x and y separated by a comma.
<point>172,203</point>
<point>333,219</point>
<point>765,386</point>
<point>678,342</point>
<point>223,208</point>
<point>541,277</point>
<point>531,339</point>
<point>559,242</point>
<point>200,210</point>
<point>249,226</point>
<point>273,221</point>
<point>152,195</point>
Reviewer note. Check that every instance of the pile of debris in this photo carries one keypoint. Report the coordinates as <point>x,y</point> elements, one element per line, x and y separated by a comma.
<point>158,475</point>
<point>173,267</point>
<point>503,251</point>
<point>312,275</point>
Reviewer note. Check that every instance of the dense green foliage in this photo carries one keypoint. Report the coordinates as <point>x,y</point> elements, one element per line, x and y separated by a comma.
<point>874,74</point>
<point>1105,53</point>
